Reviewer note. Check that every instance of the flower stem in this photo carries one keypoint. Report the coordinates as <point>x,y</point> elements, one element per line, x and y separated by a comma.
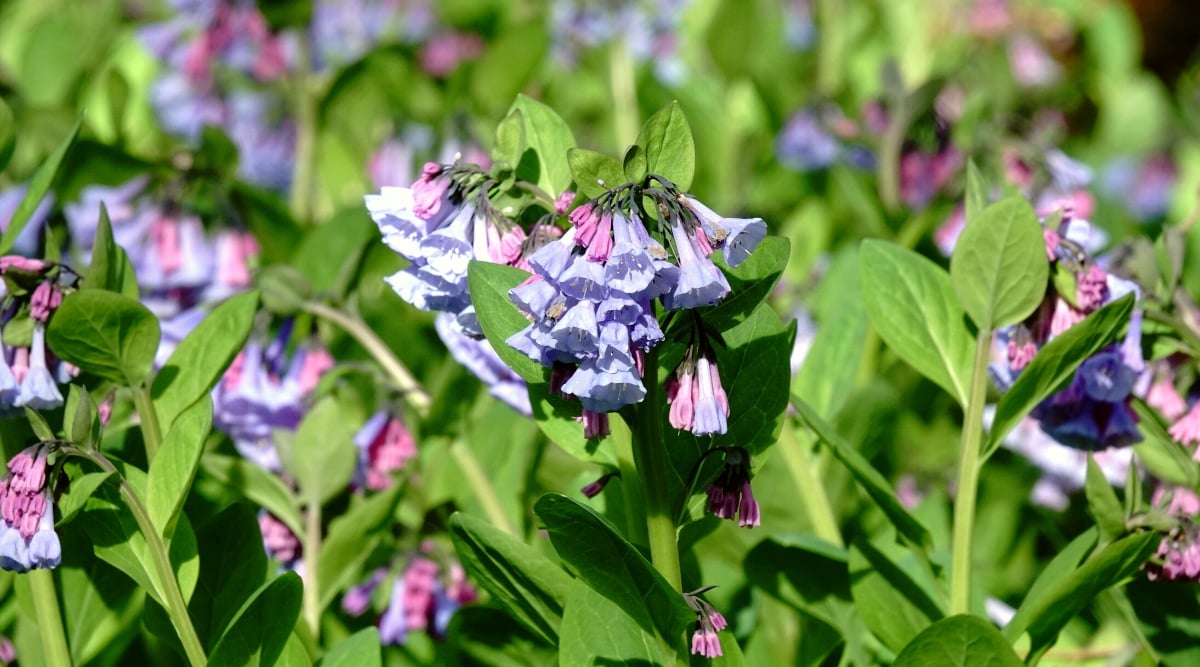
<point>171,595</point>
<point>312,553</point>
<point>651,464</point>
<point>306,136</point>
<point>468,463</point>
<point>968,479</point>
<point>396,370</point>
<point>800,462</point>
<point>148,418</point>
<point>49,619</point>
<point>625,104</point>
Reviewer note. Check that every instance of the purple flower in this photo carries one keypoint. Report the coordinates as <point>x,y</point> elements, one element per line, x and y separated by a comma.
<point>38,388</point>
<point>709,622</point>
<point>358,598</point>
<point>595,488</point>
<point>384,445</point>
<point>27,537</point>
<point>701,283</point>
<point>698,401</point>
<point>730,495</point>
<point>735,237</point>
<point>280,542</point>
<point>805,144</point>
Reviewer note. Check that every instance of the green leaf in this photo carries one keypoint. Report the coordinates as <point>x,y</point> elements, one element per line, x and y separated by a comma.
<point>867,476</point>
<point>750,282</point>
<point>549,136</point>
<point>41,428</point>
<point>261,628</point>
<point>596,630</point>
<point>1048,608</point>
<point>39,185</point>
<point>592,549</point>
<point>8,135</point>
<point>322,458</point>
<point>1169,615</point>
<point>233,565</point>
<point>111,269</point>
<point>256,485</point>
<point>510,140</point>
<point>524,582</point>
<point>360,649</point>
<point>999,267</point>
<point>912,306</point>
<point>670,150</point>
<point>1103,503</point>
<point>634,165</point>
<point>78,492</point>
<point>105,334</point>
<point>79,417</point>
<point>1053,367</point>
<point>589,169</point>
<point>509,62</point>
<point>172,471</point>
<point>893,604</point>
<point>344,550</point>
<point>98,602</point>
<point>200,359</point>
<point>976,192</point>
<point>498,315</point>
<point>959,641</point>
<point>830,368</point>
<point>1162,456</point>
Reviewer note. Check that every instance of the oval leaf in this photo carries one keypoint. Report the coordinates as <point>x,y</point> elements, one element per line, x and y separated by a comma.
<point>172,471</point>
<point>105,334</point>
<point>498,316</point>
<point>670,149</point>
<point>999,267</point>
<point>262,627</point>
<point>959,641</point>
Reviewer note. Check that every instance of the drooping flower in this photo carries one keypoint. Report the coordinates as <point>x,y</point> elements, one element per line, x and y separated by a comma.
<point>1178,555</point>
<point>27,537</point>
<point>698,401</point>
<point>358,598</point>
<point>730,495</point>
<point>384,445</point>
<point>709,622</point>
<point>280,542</point>
<point>595,488</point>
<point>39,390</point>
<point>422,601</point>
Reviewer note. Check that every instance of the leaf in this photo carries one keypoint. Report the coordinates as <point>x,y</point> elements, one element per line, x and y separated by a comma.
<point>262,627</point>
<point>110,269</point>
<point>79,417</point>
<point>602,559</point>
<point>233,565</point>
<point>594,173</point>
<point>323,454</point>
<point>509,62</point>
<point>1103,503</point>
<point>893,604</point>
<point>360,649</point>
<point>750,282</point>
<point>99,603</point>
<point>999,267</point>
<point>1048,608</point>
<point>556,418</point>
<point>670,150</point>
<point>200,359</point>
<point>531,587</point>
<point>80,489</point>
<point>1162,456</point>
<point>498,315</point>
<point>1053,367</point>
<point>344,552</point>
<point>510,140</point>
<point>867,476</point>
<point>831,365</point>
<point>912,305</point>
<point>976,192</point>
<point>106,334</point>
<point>8,135</point>
<point>634,165</point>
<point>41,428</point>
<point>39,185</point>
<point>959,641</point>
<point>598,631</point>
<point>1169,615</point>
<point>172,471</point>
<point>256,485</point>
<point>548,135</point>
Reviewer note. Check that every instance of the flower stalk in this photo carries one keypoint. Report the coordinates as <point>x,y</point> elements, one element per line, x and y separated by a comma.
<point>968,479</point>
<point>651,466</point>
<point>49,618</point>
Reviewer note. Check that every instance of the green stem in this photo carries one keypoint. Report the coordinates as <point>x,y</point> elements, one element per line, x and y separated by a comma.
<point>49,619</point>
<point>171,595</point>
<point>799,459</point>
<point>482,486</point>
<point>306,137</point>
<point>396,370</point>
<point>151,431</point>
<point>648,456</point>
<point>625,105</point>
<point>631,491</point>
<point>312,553</point>
<point>1181,328</point>
<point>968,478</point>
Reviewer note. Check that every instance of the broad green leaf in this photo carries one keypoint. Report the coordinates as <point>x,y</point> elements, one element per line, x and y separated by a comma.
<point>867,476</point>
<point>1169,615</point>
<point>999,267</point>
<point>360,649</point>
<point>959,641</point>
<point>1162,456</point>
<point>344,550</point>
<point>510,60</point>
<point>99,603</point>
<point>594,173</point>
<point>294,653</point>
<point>262,627</point>
<point>256,485</point>
<point>80,489</point>
<point>894,605</point>
<point>750,282</point>
<point>510,140</point>
<point>1053,367</point>
<point>8,135</point>
<point>670,149</point>
<point>593,550</point>
<point>39,185</point>
<point>1048,608</point>
<point>634,165</point>
<point>912,306</point>
<point>498,315</point>
<point>596,630</point>
<point>976,192</point>
<point>1103,504</point>
<point>323,454</point>
<point>172,471</point>
<point>528,585</point>
<point>1059,568</point>
<point>549,136</point>
<point>41,428</point>
<point>556,417</point>
<point>106,334</point>
<point>110,269</point>
<point>830,368</point>
<point>233,565</point>
<point>199,360</point>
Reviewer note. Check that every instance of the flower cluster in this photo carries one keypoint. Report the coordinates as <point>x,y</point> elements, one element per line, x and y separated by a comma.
<point>1178,556</point>
<point>1094,411</point>
<point>650,29</point>
<point>27,537</point>
<point>730,495</point>
<point>709,622</point>
<point>698,401</point>
<point>423,598</point>
<point>384,445</point>
<point>591,300</point>
<point>280,543</point>
<point>30,293</point>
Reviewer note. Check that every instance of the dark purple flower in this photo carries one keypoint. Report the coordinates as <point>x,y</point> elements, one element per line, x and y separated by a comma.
<point>27,537</point>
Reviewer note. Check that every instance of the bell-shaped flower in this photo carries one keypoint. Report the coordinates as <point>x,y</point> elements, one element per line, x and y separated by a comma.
<point>38,388</point>
<point>700,283</point>
<point>27,536</point>
<point>737,238</point>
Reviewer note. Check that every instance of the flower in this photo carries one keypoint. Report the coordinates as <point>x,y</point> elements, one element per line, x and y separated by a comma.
<point>421,601</point>
<point>384,445</point>
<point>280,542</point>
<point>709,622</point>
<point>38,388</point>
<point>698,401</point>
<point>730,495</point>
<point>358,598</point>
<point>1178,555</point>
<point>27,537</point>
